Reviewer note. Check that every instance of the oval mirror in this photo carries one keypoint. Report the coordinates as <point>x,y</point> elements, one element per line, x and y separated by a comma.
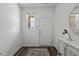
<point>74,19</point>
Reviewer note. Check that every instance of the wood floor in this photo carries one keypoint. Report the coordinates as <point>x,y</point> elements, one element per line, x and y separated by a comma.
<point>24,50</point>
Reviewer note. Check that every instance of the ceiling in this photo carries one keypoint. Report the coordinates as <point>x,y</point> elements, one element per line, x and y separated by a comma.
<point>37,5</point>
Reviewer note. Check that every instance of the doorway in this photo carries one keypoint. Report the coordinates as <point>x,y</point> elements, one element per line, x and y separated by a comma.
<point>45,31</point>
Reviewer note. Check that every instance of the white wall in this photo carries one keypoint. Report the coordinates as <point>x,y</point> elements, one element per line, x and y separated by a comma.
<point>61,21</point>
<point>10,39</point>
<point>39,12</point>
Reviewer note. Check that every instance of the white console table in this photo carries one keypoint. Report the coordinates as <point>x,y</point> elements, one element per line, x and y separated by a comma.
<point>68,48</point>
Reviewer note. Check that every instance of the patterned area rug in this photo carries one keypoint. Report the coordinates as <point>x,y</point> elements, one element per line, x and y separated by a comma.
<point>37,52</point>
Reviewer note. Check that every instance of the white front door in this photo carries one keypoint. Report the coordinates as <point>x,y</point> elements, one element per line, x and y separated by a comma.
<point>45,31</point>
